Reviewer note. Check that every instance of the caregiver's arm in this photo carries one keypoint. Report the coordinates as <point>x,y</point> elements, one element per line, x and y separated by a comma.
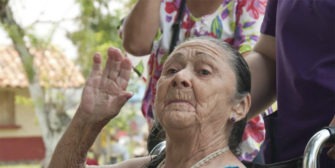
<point>141,26</point>
<point>262,63</point>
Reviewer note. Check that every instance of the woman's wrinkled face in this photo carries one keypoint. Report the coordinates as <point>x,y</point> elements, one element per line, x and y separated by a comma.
<point>197,86</point>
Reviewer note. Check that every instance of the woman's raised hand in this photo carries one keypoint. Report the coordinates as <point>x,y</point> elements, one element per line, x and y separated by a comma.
<point>105,91</point>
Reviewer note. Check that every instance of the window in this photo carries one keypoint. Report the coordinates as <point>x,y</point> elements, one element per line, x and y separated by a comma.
<point>7,108</point>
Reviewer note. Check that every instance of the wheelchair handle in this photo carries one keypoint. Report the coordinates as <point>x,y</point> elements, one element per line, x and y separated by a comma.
<point>159,148</point>
<point>312,150</point>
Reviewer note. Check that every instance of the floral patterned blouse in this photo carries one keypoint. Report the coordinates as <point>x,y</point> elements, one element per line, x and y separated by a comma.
<point>236,22</point>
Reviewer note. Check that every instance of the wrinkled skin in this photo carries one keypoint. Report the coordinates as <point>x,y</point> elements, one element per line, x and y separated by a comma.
<point>197,86</point>
<point>105,92</point>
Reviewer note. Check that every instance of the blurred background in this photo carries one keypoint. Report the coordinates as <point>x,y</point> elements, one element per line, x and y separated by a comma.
<point>46,48</point>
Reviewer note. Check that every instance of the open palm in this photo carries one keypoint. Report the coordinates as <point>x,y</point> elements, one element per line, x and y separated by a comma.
<point>105,91</point>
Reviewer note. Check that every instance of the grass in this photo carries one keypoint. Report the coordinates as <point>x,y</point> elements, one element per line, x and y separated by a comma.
<point>20,166</point>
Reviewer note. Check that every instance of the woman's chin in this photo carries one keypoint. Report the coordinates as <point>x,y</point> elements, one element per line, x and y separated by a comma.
<point>179,119</point>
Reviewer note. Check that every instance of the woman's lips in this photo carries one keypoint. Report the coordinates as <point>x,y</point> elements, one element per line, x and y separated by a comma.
<point>179,101</point>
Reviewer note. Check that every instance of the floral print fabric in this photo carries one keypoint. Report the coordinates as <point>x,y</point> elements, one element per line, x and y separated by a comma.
<point>236,22</point>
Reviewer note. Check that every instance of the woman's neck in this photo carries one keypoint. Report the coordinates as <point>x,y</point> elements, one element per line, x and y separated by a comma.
<point>199,8</point>
<point>220,157</point>
<point>187,148</point>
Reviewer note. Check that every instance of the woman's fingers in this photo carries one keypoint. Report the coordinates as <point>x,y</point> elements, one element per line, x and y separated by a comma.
<point>107,78</point>
<point>96,65</point>
<point>106,70</point>
<point>96,69</point>
<point>121,99</point>
<point>116,73</point>
<point>124,74</point>
<point>116,58</point>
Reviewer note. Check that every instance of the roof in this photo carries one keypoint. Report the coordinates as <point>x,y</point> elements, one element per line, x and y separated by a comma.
<point>55,70</point>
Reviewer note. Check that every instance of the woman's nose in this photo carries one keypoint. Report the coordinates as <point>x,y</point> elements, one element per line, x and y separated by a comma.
<point>182,79</point>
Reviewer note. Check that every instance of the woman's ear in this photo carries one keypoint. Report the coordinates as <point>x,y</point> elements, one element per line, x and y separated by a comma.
<point>241,108</point>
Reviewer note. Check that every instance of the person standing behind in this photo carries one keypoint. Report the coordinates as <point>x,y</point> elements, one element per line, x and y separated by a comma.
<point>298,37</point>
<point>234,21</point>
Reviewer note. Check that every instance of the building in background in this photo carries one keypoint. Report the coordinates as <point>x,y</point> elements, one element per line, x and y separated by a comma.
<point>20,134</point>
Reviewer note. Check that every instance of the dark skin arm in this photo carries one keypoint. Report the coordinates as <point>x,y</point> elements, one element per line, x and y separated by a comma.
<point>263,71</point>
<point>141,26</point>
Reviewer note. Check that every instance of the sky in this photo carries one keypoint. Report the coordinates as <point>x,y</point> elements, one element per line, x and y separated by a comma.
<point>28,12</point>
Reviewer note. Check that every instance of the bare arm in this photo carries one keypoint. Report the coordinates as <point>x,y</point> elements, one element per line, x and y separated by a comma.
<point>141,26</point>
<point>131,163</point>
<point>263,72</point>
<point>103,96</point>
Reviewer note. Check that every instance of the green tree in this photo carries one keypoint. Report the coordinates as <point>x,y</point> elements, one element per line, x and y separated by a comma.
<point>98,30</point>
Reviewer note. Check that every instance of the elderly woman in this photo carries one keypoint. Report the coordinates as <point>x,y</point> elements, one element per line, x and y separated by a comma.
<point>202,99</point>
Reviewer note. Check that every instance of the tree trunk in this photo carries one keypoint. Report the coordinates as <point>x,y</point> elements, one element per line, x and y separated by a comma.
<point>52,121</point>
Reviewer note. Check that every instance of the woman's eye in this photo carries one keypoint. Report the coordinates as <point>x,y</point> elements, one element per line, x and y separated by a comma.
<point>204,72</point>
<point>171,71</point>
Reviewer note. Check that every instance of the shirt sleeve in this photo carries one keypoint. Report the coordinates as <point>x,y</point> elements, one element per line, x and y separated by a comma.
<point>269,22</point>
<point>249,17</point>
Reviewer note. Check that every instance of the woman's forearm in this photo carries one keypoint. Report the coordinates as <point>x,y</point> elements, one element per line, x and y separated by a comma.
<point>72,148</point>
<point>141,26</point>
<point>103,96</point>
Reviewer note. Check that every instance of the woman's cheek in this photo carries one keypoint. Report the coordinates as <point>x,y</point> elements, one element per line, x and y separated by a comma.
<point>158,109</point>
<point>159,99</point>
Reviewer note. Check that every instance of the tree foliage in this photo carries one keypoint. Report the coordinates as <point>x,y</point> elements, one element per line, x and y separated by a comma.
<point>98,30</point>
